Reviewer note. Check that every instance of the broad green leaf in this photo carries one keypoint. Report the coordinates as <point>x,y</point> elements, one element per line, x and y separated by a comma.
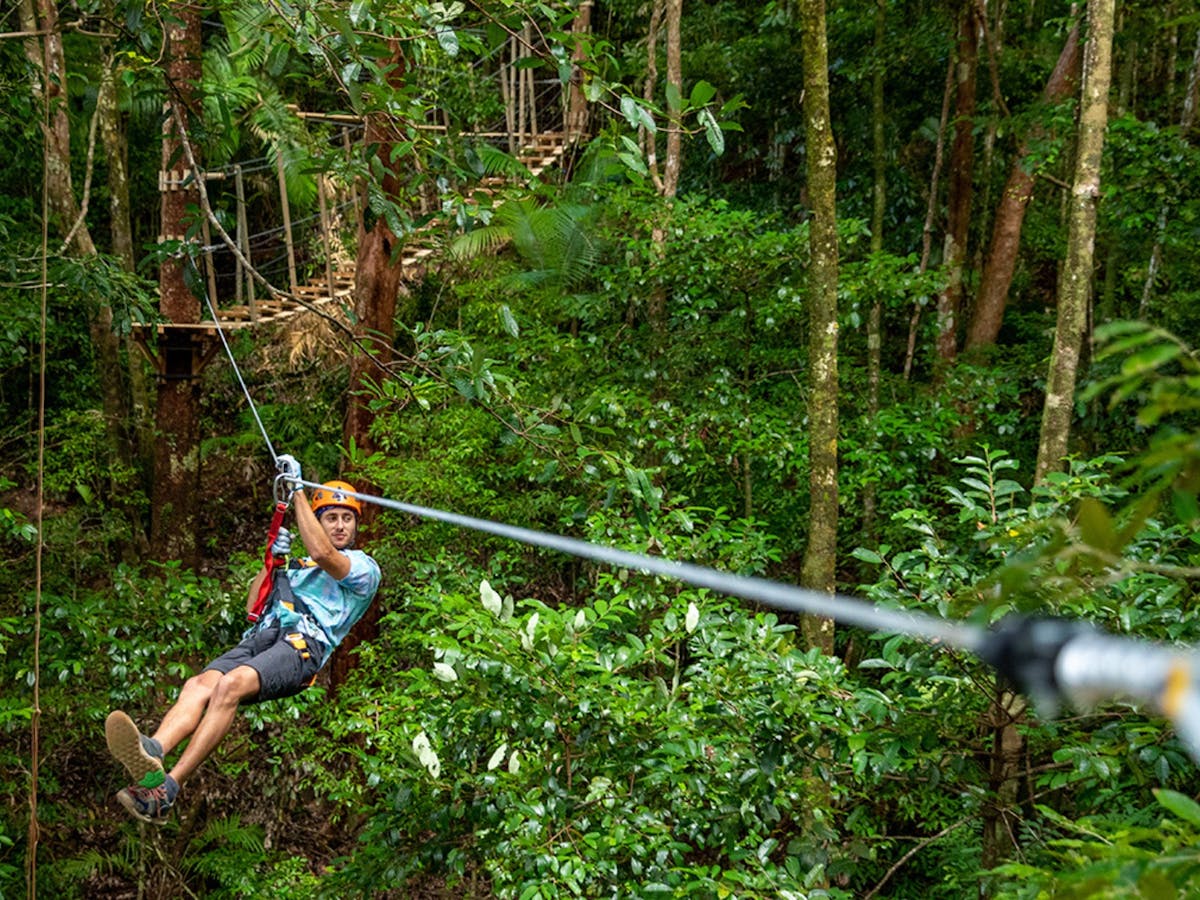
<point>712,131</point>
<point>1096,525</point>
<point>702,92</point>
<point>489,598</point>
<point>510,323</point>
<point>497,757</point>
<point>867,556</point>
<point>448,40</point>
<point>360,11</point>
<point>634,162</point>
<point>674,98</point>
<point>645,119</point>
<point>629,109</point>
<point>1180,805</point>
<point>1150,358</point>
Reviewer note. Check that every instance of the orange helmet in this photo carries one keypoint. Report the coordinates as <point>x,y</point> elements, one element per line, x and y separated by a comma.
<point>332,493</point>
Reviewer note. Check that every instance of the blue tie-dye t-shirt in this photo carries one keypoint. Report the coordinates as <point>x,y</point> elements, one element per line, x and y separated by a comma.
<point>332,606</point>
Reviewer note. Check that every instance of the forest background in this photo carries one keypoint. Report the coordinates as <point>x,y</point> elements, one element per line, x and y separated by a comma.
<point>894,299</point>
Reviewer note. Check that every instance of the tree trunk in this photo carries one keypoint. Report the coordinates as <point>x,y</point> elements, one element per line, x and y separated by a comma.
<point>139,428</point>
<point>671,166</point>
<point>878,210</point>
<point>931,206</point>
<point>668,186</point>
<point>1185,125</point>
<point>962,171</point>
<point>820,555</point>
<point>998,840</point>
<point>68,214</point>
<point>378,279</point>
<point>1075,286</point>
<point>645,137</point>
<point>1010,214</point>
<point>175,499</point>
<point>577,110</point>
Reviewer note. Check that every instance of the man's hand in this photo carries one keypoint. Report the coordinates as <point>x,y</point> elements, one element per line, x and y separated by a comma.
<point>283,543</point>
<point>289,466</point>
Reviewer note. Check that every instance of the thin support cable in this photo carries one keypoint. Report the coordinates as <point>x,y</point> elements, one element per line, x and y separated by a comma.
<point>241,381</point>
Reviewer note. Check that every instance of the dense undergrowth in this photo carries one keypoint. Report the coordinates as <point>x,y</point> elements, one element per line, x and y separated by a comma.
<point>528,725</point>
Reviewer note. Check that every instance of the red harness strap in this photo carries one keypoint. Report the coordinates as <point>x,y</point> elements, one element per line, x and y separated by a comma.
<point>270,561</point>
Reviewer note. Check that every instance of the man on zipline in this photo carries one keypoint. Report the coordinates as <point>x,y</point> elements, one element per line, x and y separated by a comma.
<point>312,606</point>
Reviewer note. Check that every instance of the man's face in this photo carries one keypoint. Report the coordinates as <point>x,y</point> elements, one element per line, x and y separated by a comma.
<point>340,525</point>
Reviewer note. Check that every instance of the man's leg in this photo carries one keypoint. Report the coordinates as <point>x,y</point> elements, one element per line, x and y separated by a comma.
<point>220,707</point>
<point>215,709</point>
<point>182,718</point>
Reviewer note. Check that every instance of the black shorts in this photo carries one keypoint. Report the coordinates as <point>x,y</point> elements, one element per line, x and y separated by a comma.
<point>283,668</point>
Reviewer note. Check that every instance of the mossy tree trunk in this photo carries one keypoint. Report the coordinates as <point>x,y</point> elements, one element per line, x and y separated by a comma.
<point>1075,285</point>
<point>175,498</point>
<point>820,554</point>
<point>962,173</point>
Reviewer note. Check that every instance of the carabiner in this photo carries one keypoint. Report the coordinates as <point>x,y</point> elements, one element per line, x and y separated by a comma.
<point>282,493</point>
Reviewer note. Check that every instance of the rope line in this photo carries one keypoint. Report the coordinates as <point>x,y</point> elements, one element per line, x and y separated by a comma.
<point>841,608</point>
<point>238,372</point>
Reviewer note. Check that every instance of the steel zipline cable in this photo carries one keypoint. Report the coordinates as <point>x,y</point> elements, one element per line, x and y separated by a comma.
<point>843,609</point>
<point>1052,660</point>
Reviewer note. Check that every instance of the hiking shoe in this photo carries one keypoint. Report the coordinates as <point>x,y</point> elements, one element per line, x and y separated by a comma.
<point>134,751</point>
<point>148,804</point>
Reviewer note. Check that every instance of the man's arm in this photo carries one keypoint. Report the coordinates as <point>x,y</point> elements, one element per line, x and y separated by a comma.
<point>316,541</point>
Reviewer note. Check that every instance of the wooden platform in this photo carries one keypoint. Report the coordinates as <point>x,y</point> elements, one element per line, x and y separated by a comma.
<point>177,348</point>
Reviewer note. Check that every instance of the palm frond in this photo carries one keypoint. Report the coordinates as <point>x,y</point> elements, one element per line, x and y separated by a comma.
<point>480,241</point>
<point>249,44</point>
<point>496,162</point>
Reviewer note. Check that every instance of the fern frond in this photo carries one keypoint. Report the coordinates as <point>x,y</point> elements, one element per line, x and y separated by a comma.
<point>496,162</point>
<point>480,241</point>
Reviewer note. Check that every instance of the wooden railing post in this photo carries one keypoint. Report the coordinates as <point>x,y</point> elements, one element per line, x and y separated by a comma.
<point>352,185</point>
<point>326,225</point>
<point>508,84</point>
<point>243,240</point>
<point>530,93</point>
<point>287,222</point>
<point>209,265</point>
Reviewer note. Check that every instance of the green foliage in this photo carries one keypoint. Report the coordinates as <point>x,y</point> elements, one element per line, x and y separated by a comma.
<point>603,733</point>
<point>617,744</point>
<point>1103,857</point>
